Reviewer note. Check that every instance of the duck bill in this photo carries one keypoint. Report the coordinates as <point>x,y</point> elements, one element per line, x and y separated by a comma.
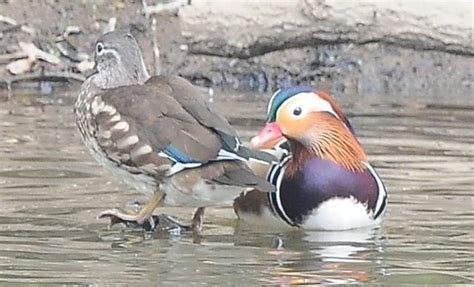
<point>267,137</point>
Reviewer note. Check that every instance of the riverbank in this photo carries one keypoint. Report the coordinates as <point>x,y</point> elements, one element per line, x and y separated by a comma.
<point>345,48</point>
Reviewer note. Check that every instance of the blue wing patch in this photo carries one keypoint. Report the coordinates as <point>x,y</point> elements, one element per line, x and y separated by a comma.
<point>177,156</point>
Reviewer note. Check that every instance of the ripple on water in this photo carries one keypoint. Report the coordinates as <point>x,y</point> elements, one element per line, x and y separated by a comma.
<point>51,191</point>
<point>45,174</point>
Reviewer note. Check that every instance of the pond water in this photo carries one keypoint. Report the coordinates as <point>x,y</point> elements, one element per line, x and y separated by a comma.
<point>51,190</point>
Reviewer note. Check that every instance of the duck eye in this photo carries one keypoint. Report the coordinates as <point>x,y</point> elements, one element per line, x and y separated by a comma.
<point>99,48</point>
<point>297,111</point>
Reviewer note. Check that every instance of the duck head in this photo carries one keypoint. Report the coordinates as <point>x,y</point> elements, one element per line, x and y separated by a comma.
<point>118,61</point>
<point>314,125</point>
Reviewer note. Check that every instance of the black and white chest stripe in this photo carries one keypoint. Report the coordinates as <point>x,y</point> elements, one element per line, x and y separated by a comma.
<point>275,176</point>
<point>382,198</point>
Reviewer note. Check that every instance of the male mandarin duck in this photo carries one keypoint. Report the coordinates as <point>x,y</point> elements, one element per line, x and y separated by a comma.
<point>324,180</point>
<point>158,134</point>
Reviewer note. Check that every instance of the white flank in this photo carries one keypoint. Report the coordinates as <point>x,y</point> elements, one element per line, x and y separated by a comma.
<point>124,126</point>
<point>199,194</point>
<point>94,107</point>
<point>145,149</point>
<point>105,134</point>
<point>108,109</point>
<point>339,214</point>
<point>97,106</point>
<point>115,118</point>
<point>127,141</point>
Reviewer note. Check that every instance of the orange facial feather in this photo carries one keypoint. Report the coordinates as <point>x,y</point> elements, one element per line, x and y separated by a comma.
<point>325,96</point>
<point>327,138</point>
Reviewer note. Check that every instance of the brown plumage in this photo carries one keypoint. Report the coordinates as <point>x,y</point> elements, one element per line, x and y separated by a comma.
<point>327,138</point>
<point>158,134</point>
<point>325,174</point>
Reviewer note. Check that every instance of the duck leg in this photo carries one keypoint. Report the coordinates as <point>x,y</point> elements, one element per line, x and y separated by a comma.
<point>168,223</point>
<point>162,222</point>
<point>146,220</point>
<point>198,220</point>
<point>142,218</point>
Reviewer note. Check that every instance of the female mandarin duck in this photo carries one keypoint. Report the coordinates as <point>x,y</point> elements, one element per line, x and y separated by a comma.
<point>324,181</point>
<point>158,134</point>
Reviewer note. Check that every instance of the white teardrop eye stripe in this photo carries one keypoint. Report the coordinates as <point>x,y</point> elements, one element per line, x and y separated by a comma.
<point>308,102</point>
<point>108,51</point>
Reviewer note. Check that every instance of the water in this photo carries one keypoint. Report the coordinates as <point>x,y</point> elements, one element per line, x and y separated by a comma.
<point>51,190</point>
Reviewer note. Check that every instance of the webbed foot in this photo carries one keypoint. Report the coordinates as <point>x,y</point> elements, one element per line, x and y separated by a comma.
<point>129,218</point>
<point>162,222</point>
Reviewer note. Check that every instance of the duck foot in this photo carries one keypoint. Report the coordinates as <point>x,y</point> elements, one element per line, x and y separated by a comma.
<point>161,222</point>
<point>129,218</point>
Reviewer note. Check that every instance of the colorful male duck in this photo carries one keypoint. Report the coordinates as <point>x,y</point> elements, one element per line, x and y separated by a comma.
<point>324,181</point>
<point>158,134</point>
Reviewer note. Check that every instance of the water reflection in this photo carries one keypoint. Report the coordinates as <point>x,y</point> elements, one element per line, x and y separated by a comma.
<point>328,257</point>
<point>51,190</point>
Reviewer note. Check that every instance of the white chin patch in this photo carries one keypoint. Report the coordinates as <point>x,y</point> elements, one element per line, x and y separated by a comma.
<point>339,214</point>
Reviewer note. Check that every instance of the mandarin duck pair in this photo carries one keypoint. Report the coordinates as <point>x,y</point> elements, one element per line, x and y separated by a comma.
<point>323,179</point>
<point>161,137</point>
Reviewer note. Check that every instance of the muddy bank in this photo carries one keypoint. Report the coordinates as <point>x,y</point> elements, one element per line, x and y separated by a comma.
<point>212,54</point>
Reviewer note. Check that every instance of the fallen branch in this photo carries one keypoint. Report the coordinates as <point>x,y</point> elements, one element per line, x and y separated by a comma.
<point>14,23</point>
<point>44,76</point>
<point>156,51</point>
<point>8,20</point>
<point>5,58</point>
<point>36,53</point>
<point>172,7</point>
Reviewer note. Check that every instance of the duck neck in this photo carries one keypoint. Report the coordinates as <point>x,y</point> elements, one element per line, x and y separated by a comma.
<point>120,76</point>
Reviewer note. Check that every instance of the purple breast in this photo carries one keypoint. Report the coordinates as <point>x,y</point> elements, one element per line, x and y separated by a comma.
<point>318,180</point>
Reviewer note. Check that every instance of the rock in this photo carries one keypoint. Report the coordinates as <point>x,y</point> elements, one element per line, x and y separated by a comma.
<point>254,28</point>
<point>21,66</point>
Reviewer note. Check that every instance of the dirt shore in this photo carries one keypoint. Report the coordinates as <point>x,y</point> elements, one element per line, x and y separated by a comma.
<point>378,69</point>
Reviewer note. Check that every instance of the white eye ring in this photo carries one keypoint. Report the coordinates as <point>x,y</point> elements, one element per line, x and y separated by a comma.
<point>99,48</point>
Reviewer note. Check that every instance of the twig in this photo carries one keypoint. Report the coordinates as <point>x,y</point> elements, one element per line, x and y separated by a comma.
<point>158,8</point>
<point>145,9</point>
<point>8,20</point>
<point>15,24</point>
<point>37,53</point>
<point>156,51</point>
<point>111,24</point>
<point>44,76</point>
<point>12,56</point>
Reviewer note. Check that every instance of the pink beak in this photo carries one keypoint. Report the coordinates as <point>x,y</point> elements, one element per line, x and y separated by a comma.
<point>267,137</point>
